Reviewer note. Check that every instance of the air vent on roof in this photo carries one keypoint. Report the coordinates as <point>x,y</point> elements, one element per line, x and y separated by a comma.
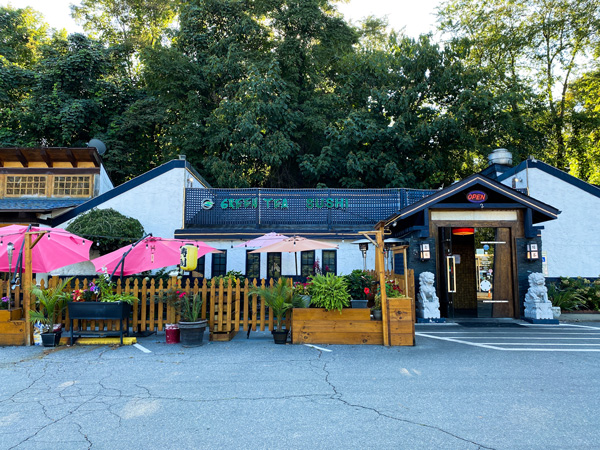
<point>500,156</point>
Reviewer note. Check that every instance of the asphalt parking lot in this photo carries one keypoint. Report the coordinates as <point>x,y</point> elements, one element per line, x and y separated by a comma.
<point>519,337</point>
<point>458,388</point>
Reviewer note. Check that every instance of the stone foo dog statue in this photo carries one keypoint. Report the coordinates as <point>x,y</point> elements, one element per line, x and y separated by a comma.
<point>428,306</point>
<point>537,305</point>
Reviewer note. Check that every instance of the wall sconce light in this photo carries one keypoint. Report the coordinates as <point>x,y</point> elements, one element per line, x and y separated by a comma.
<point>424,252</point>
<point>532,252</point>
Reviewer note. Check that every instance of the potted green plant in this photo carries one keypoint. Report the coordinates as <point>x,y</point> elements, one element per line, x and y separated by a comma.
<point>376,309</point>
<point>359,282</point>
<point>281,298</point>
<point>191,324</point>
<point>330,292</point>
<point>100,302</point>
<point>51,303</point>
<point>392,290</point>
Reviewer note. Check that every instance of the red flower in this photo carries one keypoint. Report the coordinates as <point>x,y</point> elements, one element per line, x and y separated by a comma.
<point>367,291</point>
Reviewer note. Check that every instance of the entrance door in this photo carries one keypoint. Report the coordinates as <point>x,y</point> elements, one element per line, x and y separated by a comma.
<point>476,280</point>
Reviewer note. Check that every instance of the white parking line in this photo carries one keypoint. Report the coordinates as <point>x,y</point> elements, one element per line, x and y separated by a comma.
<point>142,348</point>
<point>533,346</point>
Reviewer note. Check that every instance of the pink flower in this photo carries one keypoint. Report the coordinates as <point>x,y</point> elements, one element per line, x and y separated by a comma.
<point>367,291</point>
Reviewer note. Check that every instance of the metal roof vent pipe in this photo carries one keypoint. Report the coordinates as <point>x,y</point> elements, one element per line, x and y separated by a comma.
<point>500,156</point>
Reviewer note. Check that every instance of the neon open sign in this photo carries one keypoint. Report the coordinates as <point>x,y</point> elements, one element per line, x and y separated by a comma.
<point>477,197</point>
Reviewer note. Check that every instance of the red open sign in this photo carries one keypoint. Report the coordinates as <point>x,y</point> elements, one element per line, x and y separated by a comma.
<point>477,197</point>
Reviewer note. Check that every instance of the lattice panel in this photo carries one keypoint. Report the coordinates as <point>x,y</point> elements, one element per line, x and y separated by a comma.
<point>279,208</point>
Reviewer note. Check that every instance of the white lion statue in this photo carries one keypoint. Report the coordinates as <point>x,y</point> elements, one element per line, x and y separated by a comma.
<point>428,303</point>
<point>537,305</point>
<point>537,292</point>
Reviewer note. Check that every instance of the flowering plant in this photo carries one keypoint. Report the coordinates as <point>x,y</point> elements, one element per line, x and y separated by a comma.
<point>367,291</point>
<point>5,301</point>
<point>104,287</point>
<point>392,290</point>
<point>302,288</point>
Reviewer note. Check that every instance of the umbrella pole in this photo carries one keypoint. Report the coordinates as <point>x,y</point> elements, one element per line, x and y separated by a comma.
<point>122,261</point>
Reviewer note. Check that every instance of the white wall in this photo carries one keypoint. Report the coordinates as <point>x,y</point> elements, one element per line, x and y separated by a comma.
<point>570,242</point>
<point>158,203</point>
<point>349,257</point>
<point>105,184</point>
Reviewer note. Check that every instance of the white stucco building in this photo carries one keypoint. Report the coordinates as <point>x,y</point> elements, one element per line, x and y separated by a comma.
<point>155,198</point>
<point>570,244</point>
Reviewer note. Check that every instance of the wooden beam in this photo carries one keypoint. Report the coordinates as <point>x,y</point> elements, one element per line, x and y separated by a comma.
<point>95,157</point>
<point>26,283</point>
<point>71,157</point>
<point>385,311</point>
<point>46,157</point>
<point>21,157</point>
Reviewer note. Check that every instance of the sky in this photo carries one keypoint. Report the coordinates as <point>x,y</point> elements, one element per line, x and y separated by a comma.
<point>414,16</point>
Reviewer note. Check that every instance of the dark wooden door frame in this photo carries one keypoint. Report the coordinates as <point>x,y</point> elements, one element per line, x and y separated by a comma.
<point>516,227</point>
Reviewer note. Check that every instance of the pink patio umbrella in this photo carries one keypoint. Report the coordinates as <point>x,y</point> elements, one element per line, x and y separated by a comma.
<point>262,241</point>
<point>56,248</point>
<point>148,253</point>
<point>294,245</point>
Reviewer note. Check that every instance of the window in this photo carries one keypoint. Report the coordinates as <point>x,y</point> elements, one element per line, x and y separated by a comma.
<point>329,261</point>
<point>22,185</point>
<point>219,264</point>
<point>252,264</point>
<point>308,263</point>
<point>201,267</point>
<point>72,186</point>
<point>273,265</point>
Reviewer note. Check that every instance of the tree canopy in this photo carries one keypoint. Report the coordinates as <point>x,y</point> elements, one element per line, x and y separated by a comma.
<point>286,93</point>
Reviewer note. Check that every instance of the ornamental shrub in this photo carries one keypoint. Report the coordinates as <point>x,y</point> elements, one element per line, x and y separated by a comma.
<point>330,292</point>
<point>108,228</point>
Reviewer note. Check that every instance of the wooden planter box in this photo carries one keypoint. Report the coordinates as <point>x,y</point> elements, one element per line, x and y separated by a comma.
<point>12,327</point>
<point>99,311</point>
<point>353,326</point>
<point>14,314</point>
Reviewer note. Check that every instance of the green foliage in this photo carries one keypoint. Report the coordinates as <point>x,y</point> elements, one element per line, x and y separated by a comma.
<point>330,292</point>
<point>566,299</point>
<point>119,230</point>
<point>51,303</point>
<point>533,47</point>
<point>357,281</point>
<point>106,288</point>
<point>190,307</point>
<point>574,294</point>
<point>280,298</point>
<point>232,276</point>
<point>23,33</point>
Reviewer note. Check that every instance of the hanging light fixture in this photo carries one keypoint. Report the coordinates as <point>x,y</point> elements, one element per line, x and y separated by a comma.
<point>463,231</point>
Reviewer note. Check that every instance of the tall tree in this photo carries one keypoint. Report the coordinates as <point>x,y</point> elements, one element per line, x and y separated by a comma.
<point>540,42</point>
<point>131,24</point>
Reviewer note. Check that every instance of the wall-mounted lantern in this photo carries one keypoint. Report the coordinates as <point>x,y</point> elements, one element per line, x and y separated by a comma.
<point>532,252</point>
<point>424,252</point>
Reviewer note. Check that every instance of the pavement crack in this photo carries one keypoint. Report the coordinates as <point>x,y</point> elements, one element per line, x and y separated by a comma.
<point>338,396</point>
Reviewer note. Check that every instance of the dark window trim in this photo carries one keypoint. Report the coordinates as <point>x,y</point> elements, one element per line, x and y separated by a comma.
<point>259,261</point>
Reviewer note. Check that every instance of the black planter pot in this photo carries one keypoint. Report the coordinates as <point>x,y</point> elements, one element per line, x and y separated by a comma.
<point>376,314</point>
<point>280,336</point>
<point>359,303</point>
<point>191,334</point>
<point>51,339</point>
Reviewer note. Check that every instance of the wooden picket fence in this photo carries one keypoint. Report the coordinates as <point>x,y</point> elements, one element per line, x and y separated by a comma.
<point>227,308</point>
